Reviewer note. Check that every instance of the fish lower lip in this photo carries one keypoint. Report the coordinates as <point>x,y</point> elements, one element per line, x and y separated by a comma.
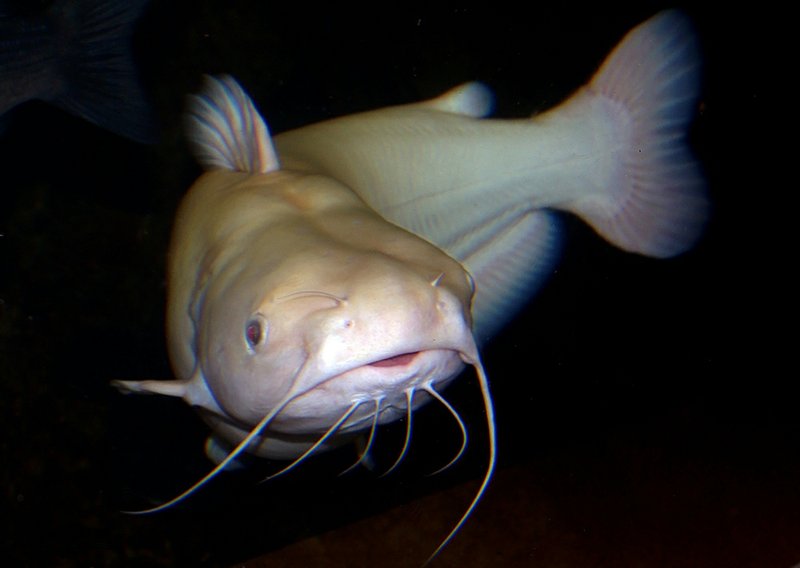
<point>396,361</point>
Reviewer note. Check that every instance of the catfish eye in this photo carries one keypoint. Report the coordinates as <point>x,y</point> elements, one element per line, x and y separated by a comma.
<point>255,332</point>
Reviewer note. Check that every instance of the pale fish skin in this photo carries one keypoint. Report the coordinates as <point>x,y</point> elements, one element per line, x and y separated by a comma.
<point>340,277</point>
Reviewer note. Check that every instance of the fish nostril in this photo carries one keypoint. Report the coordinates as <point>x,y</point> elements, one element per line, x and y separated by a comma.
<point>348,324</point>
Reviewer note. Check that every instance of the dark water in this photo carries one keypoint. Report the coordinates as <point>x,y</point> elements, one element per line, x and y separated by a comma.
<point>621,371</point>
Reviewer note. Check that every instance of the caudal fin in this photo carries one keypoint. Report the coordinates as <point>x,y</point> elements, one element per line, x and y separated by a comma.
<point>96,68</point>
<point>656,204</point>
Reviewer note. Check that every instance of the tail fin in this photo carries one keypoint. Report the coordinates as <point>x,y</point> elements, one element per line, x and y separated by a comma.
<point>96,68</point>
<point>657,206</point>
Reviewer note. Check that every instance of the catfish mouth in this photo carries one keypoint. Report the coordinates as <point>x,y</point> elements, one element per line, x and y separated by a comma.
<point>390,383</point>
<point>382,384</point>
<point>395,361</point>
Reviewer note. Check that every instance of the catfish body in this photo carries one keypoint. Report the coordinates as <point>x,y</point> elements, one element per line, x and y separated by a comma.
<point>320,284</point>
<point>484,190</point>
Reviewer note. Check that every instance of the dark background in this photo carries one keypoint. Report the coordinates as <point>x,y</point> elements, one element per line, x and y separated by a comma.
<point>646,409</point>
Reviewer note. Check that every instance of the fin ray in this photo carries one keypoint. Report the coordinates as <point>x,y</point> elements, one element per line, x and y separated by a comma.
<point>226,130</point>
<point>656,203</point>
<point>509,267</point>
<point>100,82</point>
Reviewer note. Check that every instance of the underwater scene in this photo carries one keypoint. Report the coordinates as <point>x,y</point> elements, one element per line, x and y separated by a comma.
<point>640,411</point>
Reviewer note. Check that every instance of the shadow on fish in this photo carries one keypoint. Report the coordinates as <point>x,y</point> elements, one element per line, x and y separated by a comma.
<point>76,55</point>
<point>339,276</point>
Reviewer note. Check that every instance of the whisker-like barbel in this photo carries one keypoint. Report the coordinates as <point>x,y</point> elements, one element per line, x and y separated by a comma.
<point>239,449</point>
<point>409,413</point>
<point>371,437</point>
<point>492,435</point>
<point>324,438</point>
<point>431,391</point>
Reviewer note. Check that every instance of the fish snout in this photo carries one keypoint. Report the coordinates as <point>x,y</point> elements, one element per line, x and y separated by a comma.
<point>386,317</point>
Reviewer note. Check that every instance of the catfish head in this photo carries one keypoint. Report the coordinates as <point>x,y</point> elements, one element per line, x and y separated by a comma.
<point>330,338</point>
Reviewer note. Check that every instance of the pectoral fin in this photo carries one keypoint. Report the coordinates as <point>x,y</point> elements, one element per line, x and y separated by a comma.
<point>194,390</point>
<point>168,387</point>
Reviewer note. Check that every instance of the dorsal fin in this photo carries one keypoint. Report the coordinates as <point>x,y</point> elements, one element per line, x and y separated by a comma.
<point>226,131</point>
<point>469,99</point>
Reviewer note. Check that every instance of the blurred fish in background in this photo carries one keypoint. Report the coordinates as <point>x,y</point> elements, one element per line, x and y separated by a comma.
<point>76,55</point>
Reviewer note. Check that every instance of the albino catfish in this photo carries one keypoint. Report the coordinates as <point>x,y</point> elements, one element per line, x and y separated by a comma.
<point>338,276</point>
